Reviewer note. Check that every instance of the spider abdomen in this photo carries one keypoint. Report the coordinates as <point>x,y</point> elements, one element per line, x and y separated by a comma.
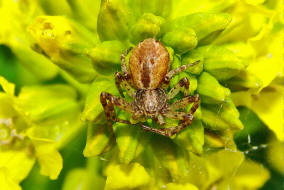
<point>149,63</point>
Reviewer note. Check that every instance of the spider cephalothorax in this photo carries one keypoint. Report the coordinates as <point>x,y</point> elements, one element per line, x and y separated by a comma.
<point>147,83</point>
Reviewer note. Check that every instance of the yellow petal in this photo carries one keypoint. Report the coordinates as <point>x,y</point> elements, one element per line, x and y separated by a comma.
<point>268,105</point>
<point>17,162</point>
<point>49,159</point>
<point>174,186</point>
<point>6,182</point>
<point>126,176</point>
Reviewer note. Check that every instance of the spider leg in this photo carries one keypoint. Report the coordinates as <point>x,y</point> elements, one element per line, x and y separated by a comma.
<point>123,62</point>
<point>124,80</point>
<point>184,102</point>
<point>170,74</point>
<point>170,131</point>
<point>108,101</point>
<point>175,90</point>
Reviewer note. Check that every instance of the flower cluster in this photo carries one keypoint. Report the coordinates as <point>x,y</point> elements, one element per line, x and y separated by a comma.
<point>67,53</point>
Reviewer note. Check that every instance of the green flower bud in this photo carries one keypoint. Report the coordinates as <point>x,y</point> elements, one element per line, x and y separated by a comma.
<point>161,8</point>
<point>122,176</point>
<point>244,80</point>
<point>191,58</point>
<point>212,120</point>
<point>173,158</point>
<point>210,89</point>
<point>148,26</point>
<point>218,61</point>
<point>86,12</point>
<point>64,42</point>
<point>182,40</point>
<point>175,62</point>
<point>212,140</point>
<point>106,56</point>
<point>56,7</point>
<point>113,20</point>
<point>192,137</point>
<point>98,138</point>
<point>242,50</point>
<point>202,23</point>
<point>93,107</point>
<point>127,138</point>
<point>228,112</point>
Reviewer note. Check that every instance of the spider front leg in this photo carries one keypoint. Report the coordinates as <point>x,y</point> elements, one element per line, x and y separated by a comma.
<point>186,118</point>
<point>123,80</point>
<point>170,74</point>
<point>182,103</point>
<point>123,62</point>
<point>108,102</point>
<point>175,90</point>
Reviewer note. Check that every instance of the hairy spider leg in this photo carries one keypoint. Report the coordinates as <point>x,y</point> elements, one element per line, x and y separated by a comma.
<point>108,101</point>
<point>186,118</point>
<point>170,74</point>
<point>170,131</point>
<point>123,62</point>
<point>175,90</point>
<point>124,80</point>
<point>182,103</point>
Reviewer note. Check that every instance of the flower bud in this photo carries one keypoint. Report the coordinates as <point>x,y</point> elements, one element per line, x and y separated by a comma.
<point>192,137</point>
<point>113,20</point>
<point>106,56</point>
<point>64,41</point>
<point>218,61</point>
<point>202,23</point>
<point>182,40</point>
<point>210,90</point>
<point>127,138</point>
<point>148,26</point>
<point>161,8</point>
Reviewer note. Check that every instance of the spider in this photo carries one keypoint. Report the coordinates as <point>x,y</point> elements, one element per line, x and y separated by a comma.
<point>147,83</point>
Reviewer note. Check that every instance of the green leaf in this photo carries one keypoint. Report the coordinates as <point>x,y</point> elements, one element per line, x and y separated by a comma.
<point>49,159</point>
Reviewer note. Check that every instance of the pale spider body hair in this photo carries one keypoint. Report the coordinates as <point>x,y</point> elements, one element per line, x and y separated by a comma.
<point>147,83</point>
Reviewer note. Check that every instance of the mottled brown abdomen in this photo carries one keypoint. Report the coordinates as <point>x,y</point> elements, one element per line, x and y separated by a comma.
<point>149,63</point>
